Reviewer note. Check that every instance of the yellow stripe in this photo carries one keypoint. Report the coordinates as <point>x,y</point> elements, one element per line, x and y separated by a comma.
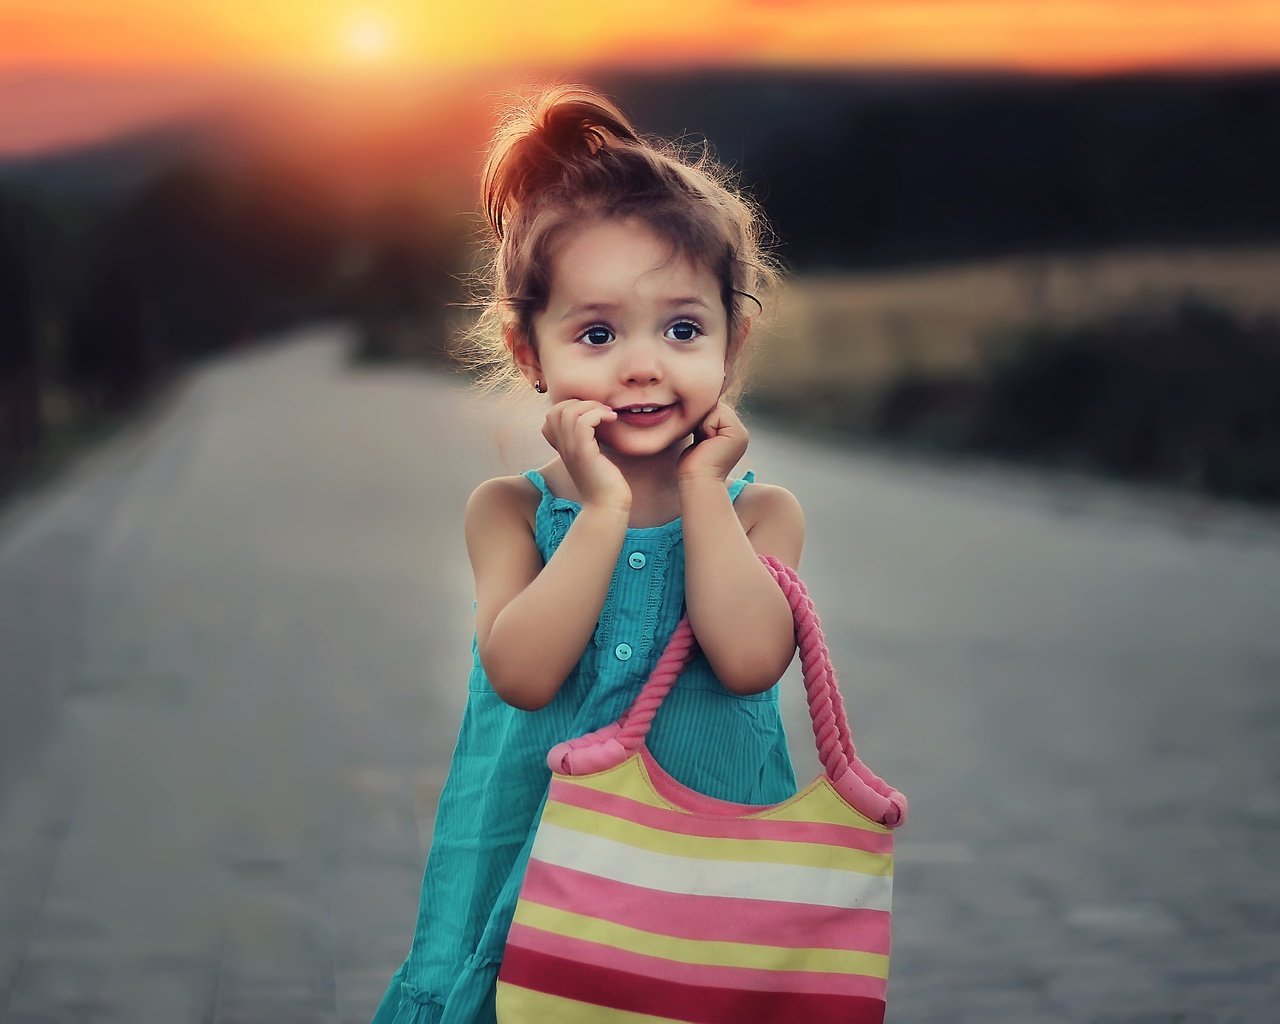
<point>820,802</point>
<point>628,779</point>
<point>516,1003</point>
<point>698,951</point>
<point>816,802</point>
<point>769,851</point>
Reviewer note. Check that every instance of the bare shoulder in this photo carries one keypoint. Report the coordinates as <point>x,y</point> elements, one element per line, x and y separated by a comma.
<point>773,520</point>
<point>766,501</point>
<point>504,502</point>
<point>499,523</point>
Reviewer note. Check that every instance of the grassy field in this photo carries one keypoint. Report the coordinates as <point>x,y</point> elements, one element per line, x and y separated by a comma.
<point>856,332</point>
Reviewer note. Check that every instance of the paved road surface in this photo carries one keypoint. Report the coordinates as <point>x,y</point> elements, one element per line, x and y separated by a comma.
<point>233,647</point>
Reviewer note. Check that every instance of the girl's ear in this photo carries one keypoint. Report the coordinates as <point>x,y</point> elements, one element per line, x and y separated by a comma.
<point>523,354</point>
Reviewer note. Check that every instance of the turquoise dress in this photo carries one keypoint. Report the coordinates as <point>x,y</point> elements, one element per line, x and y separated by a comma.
<point>711,740</point>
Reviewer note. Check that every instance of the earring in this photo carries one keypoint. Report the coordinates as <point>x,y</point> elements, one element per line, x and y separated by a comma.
<point>539,387</point>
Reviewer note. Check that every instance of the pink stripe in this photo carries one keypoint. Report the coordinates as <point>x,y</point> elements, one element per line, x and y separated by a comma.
<point>581,951</point>
<point>843,836</point>
<point>671,1000</point>
<point>708,918</point>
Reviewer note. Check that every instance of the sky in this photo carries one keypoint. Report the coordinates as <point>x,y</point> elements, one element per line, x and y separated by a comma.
<point>77,67</point>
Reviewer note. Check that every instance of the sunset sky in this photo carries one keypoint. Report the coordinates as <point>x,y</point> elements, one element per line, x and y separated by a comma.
<point>81,65</point>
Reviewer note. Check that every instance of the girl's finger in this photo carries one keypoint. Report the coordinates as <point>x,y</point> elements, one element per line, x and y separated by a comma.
<point>715,420</point>
<point>571,424</point>
<point>594,417</point>
<point>561,415</point>
<point>707,427</point>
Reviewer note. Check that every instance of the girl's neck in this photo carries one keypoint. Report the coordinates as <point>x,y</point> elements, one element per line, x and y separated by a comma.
<point>655,496</point>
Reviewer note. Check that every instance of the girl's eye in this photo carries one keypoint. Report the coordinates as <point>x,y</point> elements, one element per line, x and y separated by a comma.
<point>685,330</point>
<point>596,336</point>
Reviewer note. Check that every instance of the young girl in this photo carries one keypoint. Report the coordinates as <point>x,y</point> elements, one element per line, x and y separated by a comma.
<point>624,284</point>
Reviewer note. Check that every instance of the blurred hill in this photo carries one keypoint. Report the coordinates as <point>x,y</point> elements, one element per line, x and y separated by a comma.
<point>116,167</point>
<point>354,139</point>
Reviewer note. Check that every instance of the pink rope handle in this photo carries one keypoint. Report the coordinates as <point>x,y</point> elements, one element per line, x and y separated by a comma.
<point>864,790</point>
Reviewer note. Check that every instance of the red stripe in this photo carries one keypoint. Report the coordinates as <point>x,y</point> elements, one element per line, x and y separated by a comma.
<point>756,979</point>
<point>696,1004</point>
<point>709,918</point>
<point>843,836</point>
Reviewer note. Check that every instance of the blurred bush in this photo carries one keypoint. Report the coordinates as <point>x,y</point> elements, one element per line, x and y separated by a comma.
<point>1188,397</point>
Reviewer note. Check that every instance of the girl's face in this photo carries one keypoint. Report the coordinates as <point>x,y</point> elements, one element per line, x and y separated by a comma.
<point>630,324</point>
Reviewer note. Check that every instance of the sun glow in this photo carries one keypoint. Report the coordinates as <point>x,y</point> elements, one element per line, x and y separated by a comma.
<point>329,35</point>
<point>367,38</point>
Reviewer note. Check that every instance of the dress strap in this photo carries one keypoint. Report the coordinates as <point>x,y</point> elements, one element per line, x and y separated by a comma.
<point>535,478</point>
<point>735,487</point>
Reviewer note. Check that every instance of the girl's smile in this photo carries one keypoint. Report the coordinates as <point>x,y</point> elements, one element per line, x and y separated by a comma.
<point>645,415</point>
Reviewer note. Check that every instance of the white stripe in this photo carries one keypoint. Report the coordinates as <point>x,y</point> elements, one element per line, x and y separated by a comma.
<point>786,883</point>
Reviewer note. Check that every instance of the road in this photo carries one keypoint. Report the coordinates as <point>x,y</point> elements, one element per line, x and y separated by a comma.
<point>233,650</point>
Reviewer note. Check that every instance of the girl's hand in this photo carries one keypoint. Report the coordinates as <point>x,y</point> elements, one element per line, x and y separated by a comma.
<point>719,441</point>
<point>570,428</point>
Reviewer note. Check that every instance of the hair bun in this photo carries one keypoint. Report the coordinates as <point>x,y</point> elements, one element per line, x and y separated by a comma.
<point>534,148</point>
<point>577,122</point>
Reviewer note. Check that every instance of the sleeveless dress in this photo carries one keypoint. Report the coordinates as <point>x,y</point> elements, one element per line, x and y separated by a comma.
<point>713,741</point>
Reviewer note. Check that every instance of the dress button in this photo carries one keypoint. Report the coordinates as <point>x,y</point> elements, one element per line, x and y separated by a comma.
<point>637,560</point>
<point>623,651</point>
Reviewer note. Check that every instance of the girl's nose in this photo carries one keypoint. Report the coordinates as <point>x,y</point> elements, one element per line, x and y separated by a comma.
<point>641,366</point>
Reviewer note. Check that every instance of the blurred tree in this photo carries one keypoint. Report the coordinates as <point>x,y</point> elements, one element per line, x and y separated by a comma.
<point>405,279</point>
<point>175,246</point>
<point>20,422</point>
<point>866,169</point>
<point>112,358</point>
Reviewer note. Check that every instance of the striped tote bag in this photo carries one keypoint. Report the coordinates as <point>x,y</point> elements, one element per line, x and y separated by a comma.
<point>645,902</point>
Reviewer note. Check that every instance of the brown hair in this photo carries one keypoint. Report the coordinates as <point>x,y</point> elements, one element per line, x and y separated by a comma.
<point>571,156</point>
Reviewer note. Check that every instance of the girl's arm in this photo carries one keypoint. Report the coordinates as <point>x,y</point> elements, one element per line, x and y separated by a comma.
<point>534,622</point>
<point>739,614</point>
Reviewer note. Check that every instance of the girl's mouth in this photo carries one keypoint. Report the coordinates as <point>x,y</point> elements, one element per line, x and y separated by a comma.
<point>644,415</point>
